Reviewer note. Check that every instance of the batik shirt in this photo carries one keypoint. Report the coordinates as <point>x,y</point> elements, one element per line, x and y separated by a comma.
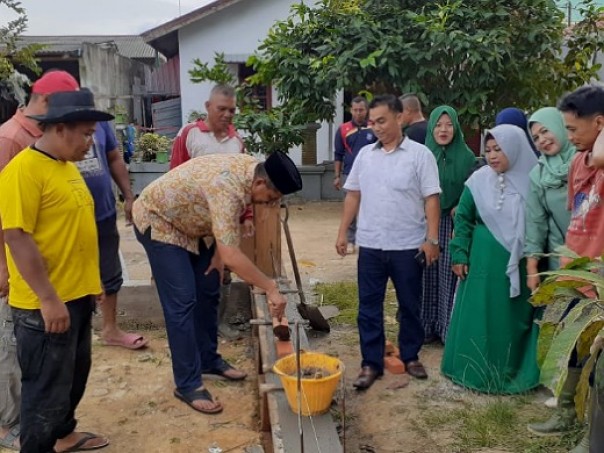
<point>201,198</point>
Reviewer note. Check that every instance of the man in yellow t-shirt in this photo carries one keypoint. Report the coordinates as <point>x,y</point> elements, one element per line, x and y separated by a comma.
<point>53,259</point>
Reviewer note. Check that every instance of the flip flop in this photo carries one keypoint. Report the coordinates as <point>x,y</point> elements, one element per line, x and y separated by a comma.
<point>8,441</point>
<point>130,341</point>
<point>79,445</point>
<point>221,370</point>
<point>198,395</point>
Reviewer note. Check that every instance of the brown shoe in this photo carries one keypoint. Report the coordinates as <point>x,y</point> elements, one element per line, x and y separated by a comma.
<point>366,378</point>
<point>416,369</point>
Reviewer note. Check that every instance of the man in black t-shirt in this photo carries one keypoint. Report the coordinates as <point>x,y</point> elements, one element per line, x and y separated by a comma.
<point>414,123</point>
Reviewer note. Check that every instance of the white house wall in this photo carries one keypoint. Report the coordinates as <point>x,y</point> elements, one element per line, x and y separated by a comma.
<point>236,30</point>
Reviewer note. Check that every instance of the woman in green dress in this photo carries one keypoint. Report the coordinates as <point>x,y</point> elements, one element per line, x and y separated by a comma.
<point>455,161</point>
<point>491,345</point>
<point>547,214</point>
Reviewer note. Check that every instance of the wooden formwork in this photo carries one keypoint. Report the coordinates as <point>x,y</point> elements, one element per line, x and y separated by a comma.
<point>278,422</point>
<point>320,433</point>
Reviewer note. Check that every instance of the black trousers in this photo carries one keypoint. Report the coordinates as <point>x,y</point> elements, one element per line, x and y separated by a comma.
<point>55,370</point>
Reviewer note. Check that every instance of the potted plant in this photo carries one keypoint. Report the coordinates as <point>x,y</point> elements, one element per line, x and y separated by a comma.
<point>120,113</point>
<point>153,147</point>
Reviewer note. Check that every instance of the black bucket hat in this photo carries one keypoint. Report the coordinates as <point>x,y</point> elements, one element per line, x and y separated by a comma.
<point>283,173</point>
<point>71,107</point>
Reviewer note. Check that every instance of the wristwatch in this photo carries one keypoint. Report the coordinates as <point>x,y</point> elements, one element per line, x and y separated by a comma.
<point>432,241</point>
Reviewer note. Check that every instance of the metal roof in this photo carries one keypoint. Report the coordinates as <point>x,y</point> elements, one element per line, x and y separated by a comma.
<point>130,46</point>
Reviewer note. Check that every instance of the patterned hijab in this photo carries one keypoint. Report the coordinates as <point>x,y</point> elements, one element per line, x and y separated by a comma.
<point>455,160</point>
<point>500,198</point>
<point>554,169</point>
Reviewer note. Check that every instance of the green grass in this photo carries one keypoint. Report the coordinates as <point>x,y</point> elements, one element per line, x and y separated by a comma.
<point>499,423</point>
<point>345,296</point>
<point>476,423</point>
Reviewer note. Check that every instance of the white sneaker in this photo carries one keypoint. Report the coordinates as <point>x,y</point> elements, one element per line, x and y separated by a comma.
<point>551,402</point>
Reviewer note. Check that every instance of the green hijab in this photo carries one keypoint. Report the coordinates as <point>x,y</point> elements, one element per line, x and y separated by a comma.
<point>455,160</point>
<point>554,169</point>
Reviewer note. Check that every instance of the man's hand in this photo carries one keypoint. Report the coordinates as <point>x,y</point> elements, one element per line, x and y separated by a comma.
<point>342,245</point>
<point>216,264</point>
<point>461,270</point>
<point>276,303</point>
<point>3,282</point>
<point>432,251</point>
<point>597,157</point>
<point>337,183</point>
<point>56,316</point>
<point>247,228</point>
<point>128,210</point>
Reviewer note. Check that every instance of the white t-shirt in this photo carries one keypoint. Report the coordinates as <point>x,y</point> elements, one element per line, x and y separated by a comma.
<point>393,186</point>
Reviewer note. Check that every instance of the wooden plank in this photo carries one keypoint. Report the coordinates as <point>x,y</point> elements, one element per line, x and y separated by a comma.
<point>248,247</point>
<point>268,238</point>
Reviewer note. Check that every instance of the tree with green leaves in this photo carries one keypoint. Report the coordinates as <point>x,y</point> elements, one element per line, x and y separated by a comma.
<point>264,131</point>
<point>11,53</point>
<point>476,55</point>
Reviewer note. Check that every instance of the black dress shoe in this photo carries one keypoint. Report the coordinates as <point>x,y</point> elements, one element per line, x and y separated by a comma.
<point>366,378</point>
<point>416,369</point>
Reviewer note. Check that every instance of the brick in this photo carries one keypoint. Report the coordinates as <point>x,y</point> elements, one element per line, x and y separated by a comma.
<point>283,348</point>
<point>394,365</point>
<point>389,348</point>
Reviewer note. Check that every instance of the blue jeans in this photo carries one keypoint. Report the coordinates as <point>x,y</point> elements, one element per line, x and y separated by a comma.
<point>189,300</point>
<point>375,267</point>
<point>55,370</point>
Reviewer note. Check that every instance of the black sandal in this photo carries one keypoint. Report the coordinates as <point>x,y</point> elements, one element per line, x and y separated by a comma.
<point>222,369</point>
<point>199,395</point>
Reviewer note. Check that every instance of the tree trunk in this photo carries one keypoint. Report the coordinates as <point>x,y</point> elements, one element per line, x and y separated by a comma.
<point>309,147</point>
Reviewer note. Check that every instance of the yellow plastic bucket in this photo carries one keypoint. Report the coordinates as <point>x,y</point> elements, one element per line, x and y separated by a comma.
<point>317,393</point>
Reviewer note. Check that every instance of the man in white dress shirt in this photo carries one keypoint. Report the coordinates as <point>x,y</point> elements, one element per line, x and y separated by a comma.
<point>394,187</point>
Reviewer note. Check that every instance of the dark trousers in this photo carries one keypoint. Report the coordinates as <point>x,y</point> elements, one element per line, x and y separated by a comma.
<point>55,370</point>
<point>374,269</point>
<point>189,300</point>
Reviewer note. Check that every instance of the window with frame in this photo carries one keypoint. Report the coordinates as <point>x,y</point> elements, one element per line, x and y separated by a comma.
<point>261,93</point>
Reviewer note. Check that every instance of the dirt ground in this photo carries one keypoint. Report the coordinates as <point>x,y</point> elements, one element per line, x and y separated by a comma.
<point>129,396</point>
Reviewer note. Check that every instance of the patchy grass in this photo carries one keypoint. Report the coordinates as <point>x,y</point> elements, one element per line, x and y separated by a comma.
<point>467,421</point>
<point>345,296</point>
<point>499,423</point>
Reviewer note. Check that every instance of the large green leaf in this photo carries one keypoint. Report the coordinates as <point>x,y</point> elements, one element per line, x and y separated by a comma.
<point>582,393</point>
<point>568,333</point>
<point>546,336</point>
<point>553,290</point>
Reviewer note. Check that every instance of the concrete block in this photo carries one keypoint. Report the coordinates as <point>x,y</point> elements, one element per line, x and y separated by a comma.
<point>137,306</point>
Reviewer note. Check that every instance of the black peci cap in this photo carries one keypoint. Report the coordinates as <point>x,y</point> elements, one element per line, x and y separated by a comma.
<point>283,173</point>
